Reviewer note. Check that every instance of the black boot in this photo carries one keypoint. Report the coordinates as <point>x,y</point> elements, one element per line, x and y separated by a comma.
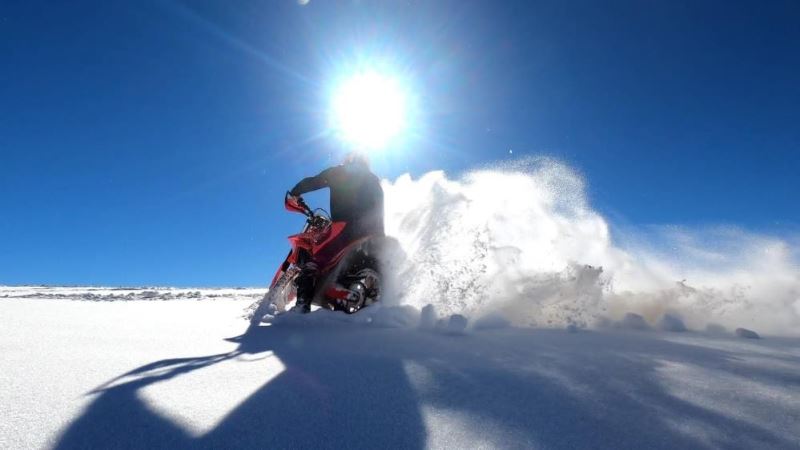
<point>306,283</point>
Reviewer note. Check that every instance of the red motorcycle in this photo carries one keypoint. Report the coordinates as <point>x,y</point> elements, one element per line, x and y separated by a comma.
<point>350,278</point>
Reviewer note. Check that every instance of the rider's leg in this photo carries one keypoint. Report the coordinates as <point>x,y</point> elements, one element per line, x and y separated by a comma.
<point>308,278</point>
<point>306,283</point>
<point>311,267</point>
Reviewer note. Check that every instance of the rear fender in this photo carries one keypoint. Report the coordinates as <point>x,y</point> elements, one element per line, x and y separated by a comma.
<point>338,292</point>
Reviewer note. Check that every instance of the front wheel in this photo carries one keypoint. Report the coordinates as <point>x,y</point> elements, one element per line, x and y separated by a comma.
<point>277,298</point>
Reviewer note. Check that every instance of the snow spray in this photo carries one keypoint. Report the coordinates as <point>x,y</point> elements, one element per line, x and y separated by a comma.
<point>521,240</point>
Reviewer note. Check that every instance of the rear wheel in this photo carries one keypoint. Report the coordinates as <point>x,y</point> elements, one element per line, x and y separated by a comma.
<point>366,287</point>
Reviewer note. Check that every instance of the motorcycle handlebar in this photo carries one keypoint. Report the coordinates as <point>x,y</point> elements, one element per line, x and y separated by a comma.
<point>296,203</point>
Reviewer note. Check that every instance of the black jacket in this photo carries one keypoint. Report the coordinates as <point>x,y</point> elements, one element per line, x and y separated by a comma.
<point>356,197</point>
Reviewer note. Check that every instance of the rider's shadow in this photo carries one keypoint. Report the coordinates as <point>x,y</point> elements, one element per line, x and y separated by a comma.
<point>330,395</point>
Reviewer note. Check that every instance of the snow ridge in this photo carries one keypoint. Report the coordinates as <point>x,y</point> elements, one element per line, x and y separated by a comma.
<point>106,294</point>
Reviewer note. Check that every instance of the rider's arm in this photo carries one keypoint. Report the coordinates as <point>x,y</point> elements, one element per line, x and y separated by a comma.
<point>312,183</point>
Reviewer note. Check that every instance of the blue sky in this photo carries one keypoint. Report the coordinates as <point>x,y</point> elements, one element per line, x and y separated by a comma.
<point>151,142</point>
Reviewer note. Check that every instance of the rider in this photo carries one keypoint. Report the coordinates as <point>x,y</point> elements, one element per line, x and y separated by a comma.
<point>357,199</point>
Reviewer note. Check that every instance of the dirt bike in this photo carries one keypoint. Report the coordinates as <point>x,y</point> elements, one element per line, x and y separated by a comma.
<point>348,281</point>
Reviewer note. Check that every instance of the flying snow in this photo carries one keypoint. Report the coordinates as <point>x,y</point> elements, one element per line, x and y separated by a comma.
<point>522,240</point>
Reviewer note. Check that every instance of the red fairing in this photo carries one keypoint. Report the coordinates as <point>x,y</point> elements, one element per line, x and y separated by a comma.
<point>334,260</point>
<point>316,242</point>
<point>301,240</point>
<point>333,232</point>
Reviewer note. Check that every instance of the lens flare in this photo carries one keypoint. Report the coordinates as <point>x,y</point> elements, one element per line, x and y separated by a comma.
<point>369,110</point>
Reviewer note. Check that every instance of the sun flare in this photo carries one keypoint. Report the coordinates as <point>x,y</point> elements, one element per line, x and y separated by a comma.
<point>369,110</point>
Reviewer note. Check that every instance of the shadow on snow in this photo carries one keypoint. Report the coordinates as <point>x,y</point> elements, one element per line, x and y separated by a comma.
<point>351,386</point>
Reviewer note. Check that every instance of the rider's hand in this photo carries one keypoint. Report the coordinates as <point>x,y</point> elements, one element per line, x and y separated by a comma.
<point>298,199</point>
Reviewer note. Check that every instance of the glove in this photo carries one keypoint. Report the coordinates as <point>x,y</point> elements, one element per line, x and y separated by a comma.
<point>297,199</point>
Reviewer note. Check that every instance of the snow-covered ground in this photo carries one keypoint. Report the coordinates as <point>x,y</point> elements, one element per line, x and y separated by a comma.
<point>137,373</point>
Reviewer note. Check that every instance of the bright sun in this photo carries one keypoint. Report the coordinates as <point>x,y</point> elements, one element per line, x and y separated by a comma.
<point>369,110</point>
